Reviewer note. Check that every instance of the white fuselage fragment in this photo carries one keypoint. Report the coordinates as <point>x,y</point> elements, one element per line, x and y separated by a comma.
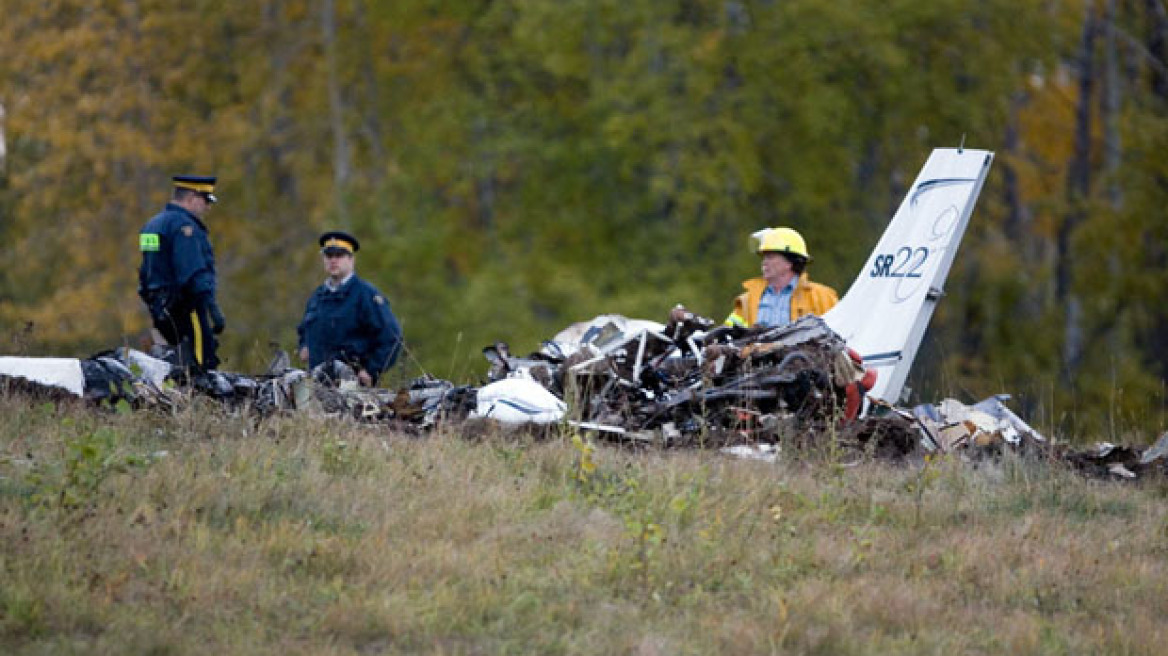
<point>62,373</point>
<point>519,401</point>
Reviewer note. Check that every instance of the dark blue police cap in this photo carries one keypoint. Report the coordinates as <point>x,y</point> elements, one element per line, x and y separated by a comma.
<point>336,241</point>
<point>203,184</point>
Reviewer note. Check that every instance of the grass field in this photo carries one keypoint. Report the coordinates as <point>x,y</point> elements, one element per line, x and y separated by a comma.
<point>205,533</point>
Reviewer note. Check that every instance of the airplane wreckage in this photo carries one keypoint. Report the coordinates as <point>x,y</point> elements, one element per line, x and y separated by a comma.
<point>686,383</point>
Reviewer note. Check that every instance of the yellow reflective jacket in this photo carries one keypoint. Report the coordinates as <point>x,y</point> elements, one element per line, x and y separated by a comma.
<point>809,298</point>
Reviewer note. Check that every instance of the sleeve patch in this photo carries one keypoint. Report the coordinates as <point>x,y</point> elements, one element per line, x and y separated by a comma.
<point>378,300</point>
<point>188,230</point>
<point>148,242</point>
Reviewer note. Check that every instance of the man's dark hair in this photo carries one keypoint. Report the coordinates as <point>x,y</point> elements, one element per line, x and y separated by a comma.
<point>798,262</point>
<point>182,193</point>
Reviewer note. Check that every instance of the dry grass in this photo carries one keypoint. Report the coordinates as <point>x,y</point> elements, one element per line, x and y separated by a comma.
<point>306,537</point>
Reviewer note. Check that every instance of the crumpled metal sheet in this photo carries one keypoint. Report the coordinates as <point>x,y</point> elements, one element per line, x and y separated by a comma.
<point>421,405</point>
<point>600,332</point>
<point>1157,453</point>
<point>989,427</point>
<point>951,425</point>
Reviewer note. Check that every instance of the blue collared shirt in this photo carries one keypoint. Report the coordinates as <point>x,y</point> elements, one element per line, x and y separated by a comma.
<point>774,308</point>
<point>328,282</point>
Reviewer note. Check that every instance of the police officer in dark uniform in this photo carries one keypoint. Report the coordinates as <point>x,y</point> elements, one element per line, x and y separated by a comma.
<point>347,319</point>
<point>177,276</point>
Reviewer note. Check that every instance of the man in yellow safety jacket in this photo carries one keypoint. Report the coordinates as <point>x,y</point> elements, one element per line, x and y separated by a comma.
<point>784,293</point>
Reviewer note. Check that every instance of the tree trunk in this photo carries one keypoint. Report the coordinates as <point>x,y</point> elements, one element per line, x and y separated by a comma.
<point>1109,108</point>
<point>1109,326</point>
<point>1158,46</point>
<point>1017,225</point>
<point>280,126</point>
<point>1078,194</point>
<point>3,145</point>
<point>484,178</point>
<point>1154,338</point>
<point>371,105</point>
<point>341,164</point>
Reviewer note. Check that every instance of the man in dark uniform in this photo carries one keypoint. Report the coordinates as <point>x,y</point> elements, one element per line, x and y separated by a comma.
<point>177,277</point>
<point>347,319</point>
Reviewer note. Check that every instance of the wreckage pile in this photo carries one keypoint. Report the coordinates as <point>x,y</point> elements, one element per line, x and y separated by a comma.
<point>142,381</point>
<point>989,428</point>
<point>682,384</point>
<point>687,383</point>
<point>679,384</point>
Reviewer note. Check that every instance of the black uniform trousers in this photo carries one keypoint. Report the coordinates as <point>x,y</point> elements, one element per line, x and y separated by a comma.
<point>187,327</point>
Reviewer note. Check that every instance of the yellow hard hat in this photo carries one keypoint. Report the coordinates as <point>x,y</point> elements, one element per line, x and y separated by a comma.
<point>782,240</point>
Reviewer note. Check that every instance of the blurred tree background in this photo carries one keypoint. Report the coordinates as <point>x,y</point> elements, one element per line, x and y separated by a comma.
<point>512,166</point>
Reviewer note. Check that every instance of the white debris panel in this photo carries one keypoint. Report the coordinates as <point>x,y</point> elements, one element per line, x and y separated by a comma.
<point>61,373</point>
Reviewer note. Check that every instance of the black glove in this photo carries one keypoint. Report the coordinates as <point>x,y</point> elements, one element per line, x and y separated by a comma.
<point>158,302</point>
<point>218,322</point>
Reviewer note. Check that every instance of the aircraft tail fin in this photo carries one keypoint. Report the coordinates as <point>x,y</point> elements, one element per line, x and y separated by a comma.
<point>884,313</point>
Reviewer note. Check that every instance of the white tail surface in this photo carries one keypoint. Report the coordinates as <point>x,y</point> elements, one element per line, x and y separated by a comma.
<point>884,313</point>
